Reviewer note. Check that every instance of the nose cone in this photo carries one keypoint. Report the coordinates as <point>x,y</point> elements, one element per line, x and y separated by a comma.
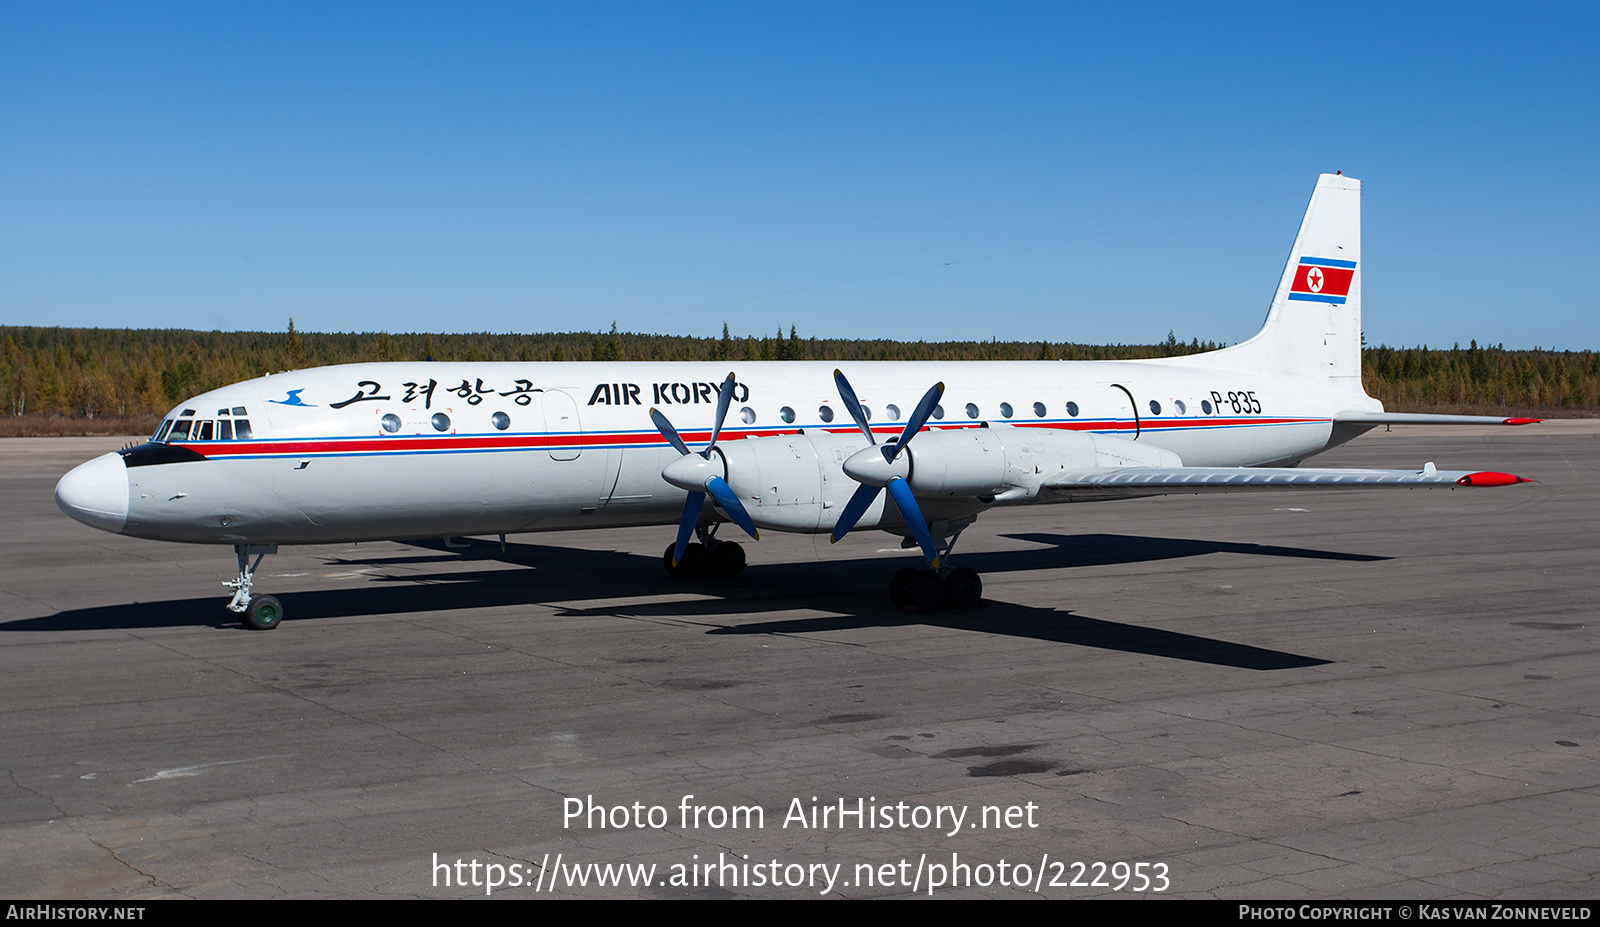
<point>96,493</point>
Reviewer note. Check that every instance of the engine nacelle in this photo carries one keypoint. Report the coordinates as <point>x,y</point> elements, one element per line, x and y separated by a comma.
<point>794,482</point>
<point>1005,463</point>
<point>798,482</point>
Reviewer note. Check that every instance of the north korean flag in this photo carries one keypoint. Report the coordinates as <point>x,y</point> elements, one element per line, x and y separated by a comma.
<point>1322,280</point>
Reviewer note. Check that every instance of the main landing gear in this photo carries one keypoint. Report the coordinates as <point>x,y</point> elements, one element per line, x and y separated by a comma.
<point>706,557</point>
<point>259,613</point>
<point>926,590</point>
<point>939,585</point>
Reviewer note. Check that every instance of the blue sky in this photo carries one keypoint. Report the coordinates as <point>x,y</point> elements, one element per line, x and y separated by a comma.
<point>936,171</point>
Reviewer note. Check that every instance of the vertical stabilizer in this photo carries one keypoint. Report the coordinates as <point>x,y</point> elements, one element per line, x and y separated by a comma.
<point>1313,330</point>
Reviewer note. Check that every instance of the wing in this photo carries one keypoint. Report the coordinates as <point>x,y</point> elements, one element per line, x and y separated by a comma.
<point>1146,481</point>
<point>1425,418</point>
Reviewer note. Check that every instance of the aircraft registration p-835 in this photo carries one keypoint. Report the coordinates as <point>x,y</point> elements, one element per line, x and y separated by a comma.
<point>412,450</point>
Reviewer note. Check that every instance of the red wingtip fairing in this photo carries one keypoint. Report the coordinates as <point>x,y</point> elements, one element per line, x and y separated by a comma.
<point>1523,421</point>
<point>1490,478</point>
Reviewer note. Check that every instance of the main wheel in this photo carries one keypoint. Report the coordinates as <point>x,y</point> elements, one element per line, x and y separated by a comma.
<point>727,559</point>
<point>263,614</point>
<point>963,588</point>
<point>926,591</point>
<point>900,586</point>
<point>694,562</point>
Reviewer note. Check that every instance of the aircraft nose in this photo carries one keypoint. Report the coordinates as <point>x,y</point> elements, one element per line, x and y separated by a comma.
<point>96,493</point>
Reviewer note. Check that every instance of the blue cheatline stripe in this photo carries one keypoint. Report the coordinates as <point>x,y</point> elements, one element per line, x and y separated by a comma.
<point>1317,298</point>
<point>1327,262</point>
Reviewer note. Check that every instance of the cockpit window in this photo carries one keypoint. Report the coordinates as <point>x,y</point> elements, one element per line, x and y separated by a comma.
<point>225,430</point>
<point>180,430</point>
<point>202,431</point>
<point>241,427</point>
<point>161,433</point>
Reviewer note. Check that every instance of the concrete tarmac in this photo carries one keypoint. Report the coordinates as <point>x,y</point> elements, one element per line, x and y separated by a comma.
<point>1374,694</point>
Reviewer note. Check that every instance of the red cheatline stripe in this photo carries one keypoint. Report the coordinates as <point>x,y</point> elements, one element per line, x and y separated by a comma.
<point>418,444</point>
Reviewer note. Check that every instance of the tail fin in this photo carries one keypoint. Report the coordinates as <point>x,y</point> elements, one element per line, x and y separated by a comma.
<point>1313,329</point>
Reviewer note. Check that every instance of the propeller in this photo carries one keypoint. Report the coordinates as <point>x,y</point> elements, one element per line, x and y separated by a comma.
<point>874,468</point>
<point>698,474</point>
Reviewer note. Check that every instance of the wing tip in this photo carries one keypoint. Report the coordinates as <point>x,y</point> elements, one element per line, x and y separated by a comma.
<point>1523,421</point>
<point>1491,478</point>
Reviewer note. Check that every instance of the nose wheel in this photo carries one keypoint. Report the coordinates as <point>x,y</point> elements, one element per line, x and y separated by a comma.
<point>263,614</point>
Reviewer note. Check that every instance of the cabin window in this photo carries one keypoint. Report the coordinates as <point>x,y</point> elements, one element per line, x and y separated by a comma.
<point>441,421</point>
<point>390,423</point>
<point>1038,409</point>
<point>1072,409</point>
<point>1205,406</point>
<point>1155,407</point>
<point>747,415</point>
<point>825,413</point>
<point>241,429</point>
<point>866,412</point>
<point>787,414</point>
<point>1005,410</point>
<point>972,410</point>
<point>938,413</point>
<point>500,420</point>
<point>893,411</point>
<point>1182,409</point>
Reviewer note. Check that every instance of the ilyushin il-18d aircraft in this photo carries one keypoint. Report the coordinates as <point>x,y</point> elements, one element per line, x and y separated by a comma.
<point>378,451</point>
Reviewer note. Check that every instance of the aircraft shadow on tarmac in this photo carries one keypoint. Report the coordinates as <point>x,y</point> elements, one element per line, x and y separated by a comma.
<point>539,574</point>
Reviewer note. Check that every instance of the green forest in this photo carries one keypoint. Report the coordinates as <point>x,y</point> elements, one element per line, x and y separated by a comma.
<point>79,381</point>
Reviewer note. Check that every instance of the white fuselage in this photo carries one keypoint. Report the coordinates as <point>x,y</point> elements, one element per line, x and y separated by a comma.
<point>486,448</point>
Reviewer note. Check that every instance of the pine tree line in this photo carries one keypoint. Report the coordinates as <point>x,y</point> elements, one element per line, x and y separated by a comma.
<point>128,378</point>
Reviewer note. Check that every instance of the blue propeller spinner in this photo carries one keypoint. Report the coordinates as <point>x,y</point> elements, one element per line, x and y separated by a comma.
<point>875,468</point>
<point>700,473</point>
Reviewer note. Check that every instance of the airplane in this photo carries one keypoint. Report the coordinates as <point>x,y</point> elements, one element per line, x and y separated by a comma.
<point>392,451</point>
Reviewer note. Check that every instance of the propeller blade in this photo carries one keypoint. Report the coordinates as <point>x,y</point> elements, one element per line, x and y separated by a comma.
<point>724,399</point>
<point>691,517</point>
<point>668,432</point>
<point>853,510</point>
<point>919,417</point>
<point>907,504</point>
<point>723,493</point>
<point>853,404</point>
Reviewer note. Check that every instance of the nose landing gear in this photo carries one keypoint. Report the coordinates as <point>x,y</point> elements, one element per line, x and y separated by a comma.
<point>261,613</point>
